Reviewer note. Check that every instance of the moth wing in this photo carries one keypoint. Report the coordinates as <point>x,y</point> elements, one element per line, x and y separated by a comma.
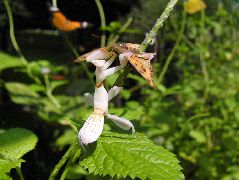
<point>91,129</point>
<point>141,63</point>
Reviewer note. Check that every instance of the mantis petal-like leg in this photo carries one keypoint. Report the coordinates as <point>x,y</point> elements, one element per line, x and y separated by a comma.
<point>114,91</point>
<point>121,122</point>
<point>97,55</point>
<point>98,63</point>
<point>89,99</point>
<point>91,129</point>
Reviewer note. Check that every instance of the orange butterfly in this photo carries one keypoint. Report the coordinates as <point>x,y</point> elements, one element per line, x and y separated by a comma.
<point>60,21</point>
<point>140,61</point>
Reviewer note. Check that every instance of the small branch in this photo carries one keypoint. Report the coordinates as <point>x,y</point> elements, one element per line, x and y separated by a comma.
<point>102,19</point>
<point>159,23</point>
<point>201,57</point>
<point>63,160</point>
<point>49,92</point>
<point>19,172</point>
<point>76,54</point>
<point>15,44</point>
<point>12,36</point>
<point>171,55</point>
<point>120,80</point>
<point>149,37</point>
<point>125,26</point>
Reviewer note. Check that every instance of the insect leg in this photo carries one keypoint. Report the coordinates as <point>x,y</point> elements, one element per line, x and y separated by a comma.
<point>110,61</point>
<point>114,91</point>
<point>121,122</point>
<point>89,99</point>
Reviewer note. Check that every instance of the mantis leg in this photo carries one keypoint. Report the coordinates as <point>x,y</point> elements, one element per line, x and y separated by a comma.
<point>121,122</point>
<point>114,91</point>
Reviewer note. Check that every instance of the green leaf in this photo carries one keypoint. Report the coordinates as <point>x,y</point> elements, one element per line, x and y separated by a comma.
<point>132,155</point>
<point>4,176</point>
<point>7,61</point>
<point>55,84</point>
<point>198,136</point>
<point>7,164</point>
<point>16,142</point>
<point>21,93</point>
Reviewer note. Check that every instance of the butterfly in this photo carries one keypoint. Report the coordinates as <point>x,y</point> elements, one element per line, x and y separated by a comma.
<point>60,21</point>
<point>139,60</point>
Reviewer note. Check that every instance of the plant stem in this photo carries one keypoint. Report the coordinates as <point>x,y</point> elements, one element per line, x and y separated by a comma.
<point>103,24</point>
<point>149,37</point>
<point>76,54</point>
<point>15,44</point>
<point>19,172</point>
<point>63,160</point>
<point>49,92</point>
<point>202,61</point>
<point>125,26</point>
<point>171,55</point>
<point>159,23</point>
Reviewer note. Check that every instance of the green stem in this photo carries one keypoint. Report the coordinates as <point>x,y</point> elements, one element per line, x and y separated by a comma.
<point>159,23</point>
<point>49,92</point>
<point>149,37</point>
<point>120,80</point>
<point>125,26</point>
<point>171,55</point>
<point>76,54</point>
<point>15,44</point>
<point>102,19</point>
<point>63,160</point>
<point>201,57</point>
<point>19,172</point>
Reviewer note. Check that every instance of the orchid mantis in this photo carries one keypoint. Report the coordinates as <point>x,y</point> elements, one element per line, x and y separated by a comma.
<point>93,126</point>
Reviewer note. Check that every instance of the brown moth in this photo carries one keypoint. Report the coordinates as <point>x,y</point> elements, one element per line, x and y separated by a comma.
<point>139,60</point>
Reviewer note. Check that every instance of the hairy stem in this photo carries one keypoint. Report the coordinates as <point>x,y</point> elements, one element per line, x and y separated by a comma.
<point>103,24</point>
<point>149,37</point>
<point>171,55</point>
<point>63,160</point>
<point>159,23</point>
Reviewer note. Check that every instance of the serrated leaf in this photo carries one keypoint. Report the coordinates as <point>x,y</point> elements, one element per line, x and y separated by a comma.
<point>16,142</point>
<point>132,155</point>
<point>4,176</point>
<point>7,61</point>
<point>21,94</point>
<point>7,164</point>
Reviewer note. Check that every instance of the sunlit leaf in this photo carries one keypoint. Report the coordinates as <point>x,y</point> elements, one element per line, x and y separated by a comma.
<point>131,155</point>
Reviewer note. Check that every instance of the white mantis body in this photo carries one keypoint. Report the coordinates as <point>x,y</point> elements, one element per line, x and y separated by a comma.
<point>93,126</point>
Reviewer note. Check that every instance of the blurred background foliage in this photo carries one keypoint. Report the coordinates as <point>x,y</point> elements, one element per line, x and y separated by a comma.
<point>194,112</point>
